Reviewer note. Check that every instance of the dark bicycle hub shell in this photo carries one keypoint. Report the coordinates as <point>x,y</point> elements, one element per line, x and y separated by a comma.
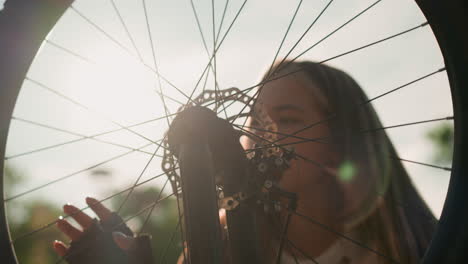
<point>200,125</point>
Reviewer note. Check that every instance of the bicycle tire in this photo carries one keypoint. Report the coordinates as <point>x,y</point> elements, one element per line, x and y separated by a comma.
<point>199,198</point>
<point>198,138</point>
<point>447,19</point>
<point>23,27</point>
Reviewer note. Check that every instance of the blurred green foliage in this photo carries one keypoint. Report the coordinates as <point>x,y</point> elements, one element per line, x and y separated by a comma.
<point>442,137</point>
<point>29,214</point>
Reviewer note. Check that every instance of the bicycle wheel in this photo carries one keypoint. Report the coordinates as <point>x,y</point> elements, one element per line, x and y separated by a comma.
<point>443,18</point>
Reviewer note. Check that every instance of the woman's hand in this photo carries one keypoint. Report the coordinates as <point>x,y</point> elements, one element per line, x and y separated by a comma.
<point>107,240</point>
<point>84,220</point>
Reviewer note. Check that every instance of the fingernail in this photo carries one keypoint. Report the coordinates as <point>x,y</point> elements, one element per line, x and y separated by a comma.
<point>123,241</point>
<point>118,234</point>
<point>91,200</point>
<point>70,209</point>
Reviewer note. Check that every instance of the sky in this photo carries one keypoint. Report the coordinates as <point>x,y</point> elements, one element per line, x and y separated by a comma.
<point>114,88</point>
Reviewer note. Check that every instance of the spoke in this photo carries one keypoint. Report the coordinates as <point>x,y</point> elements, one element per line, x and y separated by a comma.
<point>320,41</point>
<point>118,43</point>
<point>334,115</point>
<point>331,58</point>
<point>47,126</point>
<point>306,31</point>
<point>163,255</point>
<point>318,164</point>
<point>214,55</point>
<point>331,230</point>
<point>283,238</point>
<point>164,104</point>
<point>72,174</point>
<point>362,131</point>
<point>337,56</point>
<point>301,251</point>
<point>194,10</point>
<point>87,108</point>
<point>376,42</point>
<point>424,164</point>
<point>284,37</point>
<point>217,37</point>
<point>353,50</point>
<point>170,98</point>
<point>168,82</point>
<point>244,92</point>
<point>139,176</point>
<point>104,68</point>
<point>98,28</point>
<point>114,6</point>
<point>124,48</point>
<point>399,203</point>
<point>213,68</point>
<point>205,82</point>
<point>279,133</point>
<point>153,52</point>
<point>154,206</point>
<point>87,137</point>
<point>333,32</point>
<point>407,124</point>
<point>217,48</point>
<point>297,42</point>
<point>292,252</point>
<point>404,85</point>
<point>200,30</point>
<point>77,134</point>
<point>82,209</point>
<point>272,63</point>
<point>68,51</point>
<point>213,25</point>
<point>318,140</point>
<point>222,21</point>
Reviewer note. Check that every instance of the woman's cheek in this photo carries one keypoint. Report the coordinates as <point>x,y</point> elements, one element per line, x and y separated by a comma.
<point>297,178</point>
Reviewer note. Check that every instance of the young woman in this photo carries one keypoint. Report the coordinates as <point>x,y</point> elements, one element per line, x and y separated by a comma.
<point>356,203</point>
<point>349,179</point>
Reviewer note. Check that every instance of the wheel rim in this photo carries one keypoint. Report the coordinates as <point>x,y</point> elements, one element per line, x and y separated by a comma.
<point>357,78</point>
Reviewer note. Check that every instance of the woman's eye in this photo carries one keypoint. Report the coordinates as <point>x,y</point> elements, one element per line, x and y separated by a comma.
<point>287,121</point>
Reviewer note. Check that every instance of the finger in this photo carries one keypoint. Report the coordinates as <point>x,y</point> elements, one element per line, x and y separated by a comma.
<point>60,248</point>
<point>69,230</point>
<point>222,217</point>
<point>181,259</point>
<point>123,241</point>
<point>81,218</point>
<point>101,211</point>
<point>222,222</point>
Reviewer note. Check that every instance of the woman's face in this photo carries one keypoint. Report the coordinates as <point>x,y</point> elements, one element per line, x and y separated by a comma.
<point>290,104</point>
